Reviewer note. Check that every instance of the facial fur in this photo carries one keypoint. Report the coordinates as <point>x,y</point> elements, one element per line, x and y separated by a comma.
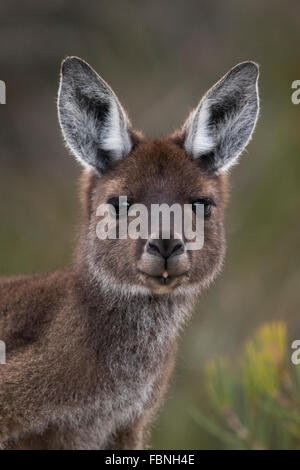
<point>155,173</point>
<point>180,169</point>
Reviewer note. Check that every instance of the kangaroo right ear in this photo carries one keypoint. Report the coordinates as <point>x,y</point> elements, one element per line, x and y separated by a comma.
<point>93,122</point>
<point>220,127</point>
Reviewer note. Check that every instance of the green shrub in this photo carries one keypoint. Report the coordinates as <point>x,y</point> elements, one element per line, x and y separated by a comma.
<point>256,403</point>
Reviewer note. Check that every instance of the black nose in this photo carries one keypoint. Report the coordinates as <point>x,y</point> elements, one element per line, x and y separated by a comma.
<point>165,247</point>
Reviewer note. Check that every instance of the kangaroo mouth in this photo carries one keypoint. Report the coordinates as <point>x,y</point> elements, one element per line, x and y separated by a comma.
<point>163,282</point>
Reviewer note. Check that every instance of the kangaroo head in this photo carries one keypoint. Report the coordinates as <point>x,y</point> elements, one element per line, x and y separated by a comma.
<point>186,168</point>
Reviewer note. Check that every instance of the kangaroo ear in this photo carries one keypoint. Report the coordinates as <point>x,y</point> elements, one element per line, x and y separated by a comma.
<point>218,130</point>
<point>93,122</point>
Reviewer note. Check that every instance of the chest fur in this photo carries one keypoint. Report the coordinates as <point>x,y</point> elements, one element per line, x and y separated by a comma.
<point>135,344</point>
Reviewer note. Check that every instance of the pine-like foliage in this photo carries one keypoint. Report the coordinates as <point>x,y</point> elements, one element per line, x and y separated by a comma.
<point>256,403</point>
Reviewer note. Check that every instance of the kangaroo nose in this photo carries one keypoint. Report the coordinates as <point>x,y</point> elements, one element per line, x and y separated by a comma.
<point>164,247</point>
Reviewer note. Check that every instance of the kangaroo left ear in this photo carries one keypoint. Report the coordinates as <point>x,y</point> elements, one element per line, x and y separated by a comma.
<point>219,129</point>
<point>94,124</point>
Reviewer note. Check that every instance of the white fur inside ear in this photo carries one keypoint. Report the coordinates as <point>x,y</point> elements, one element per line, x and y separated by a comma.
<point>219,129</point>
<point>114,135</point>
<point>93,122</point>
<point>198,140</point>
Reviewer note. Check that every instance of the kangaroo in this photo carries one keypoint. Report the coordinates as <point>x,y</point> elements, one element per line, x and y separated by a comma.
<point>89,350</point>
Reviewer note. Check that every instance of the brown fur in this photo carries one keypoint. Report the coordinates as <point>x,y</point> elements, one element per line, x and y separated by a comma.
<point>54,325</point>
<point>90,350</point>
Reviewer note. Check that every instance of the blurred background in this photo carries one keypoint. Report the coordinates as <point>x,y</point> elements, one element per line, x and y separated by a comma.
<point>160,57</point>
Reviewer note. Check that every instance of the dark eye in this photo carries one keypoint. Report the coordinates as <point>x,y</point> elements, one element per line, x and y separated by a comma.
<point>207,203</point>
<point>120,204</point>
